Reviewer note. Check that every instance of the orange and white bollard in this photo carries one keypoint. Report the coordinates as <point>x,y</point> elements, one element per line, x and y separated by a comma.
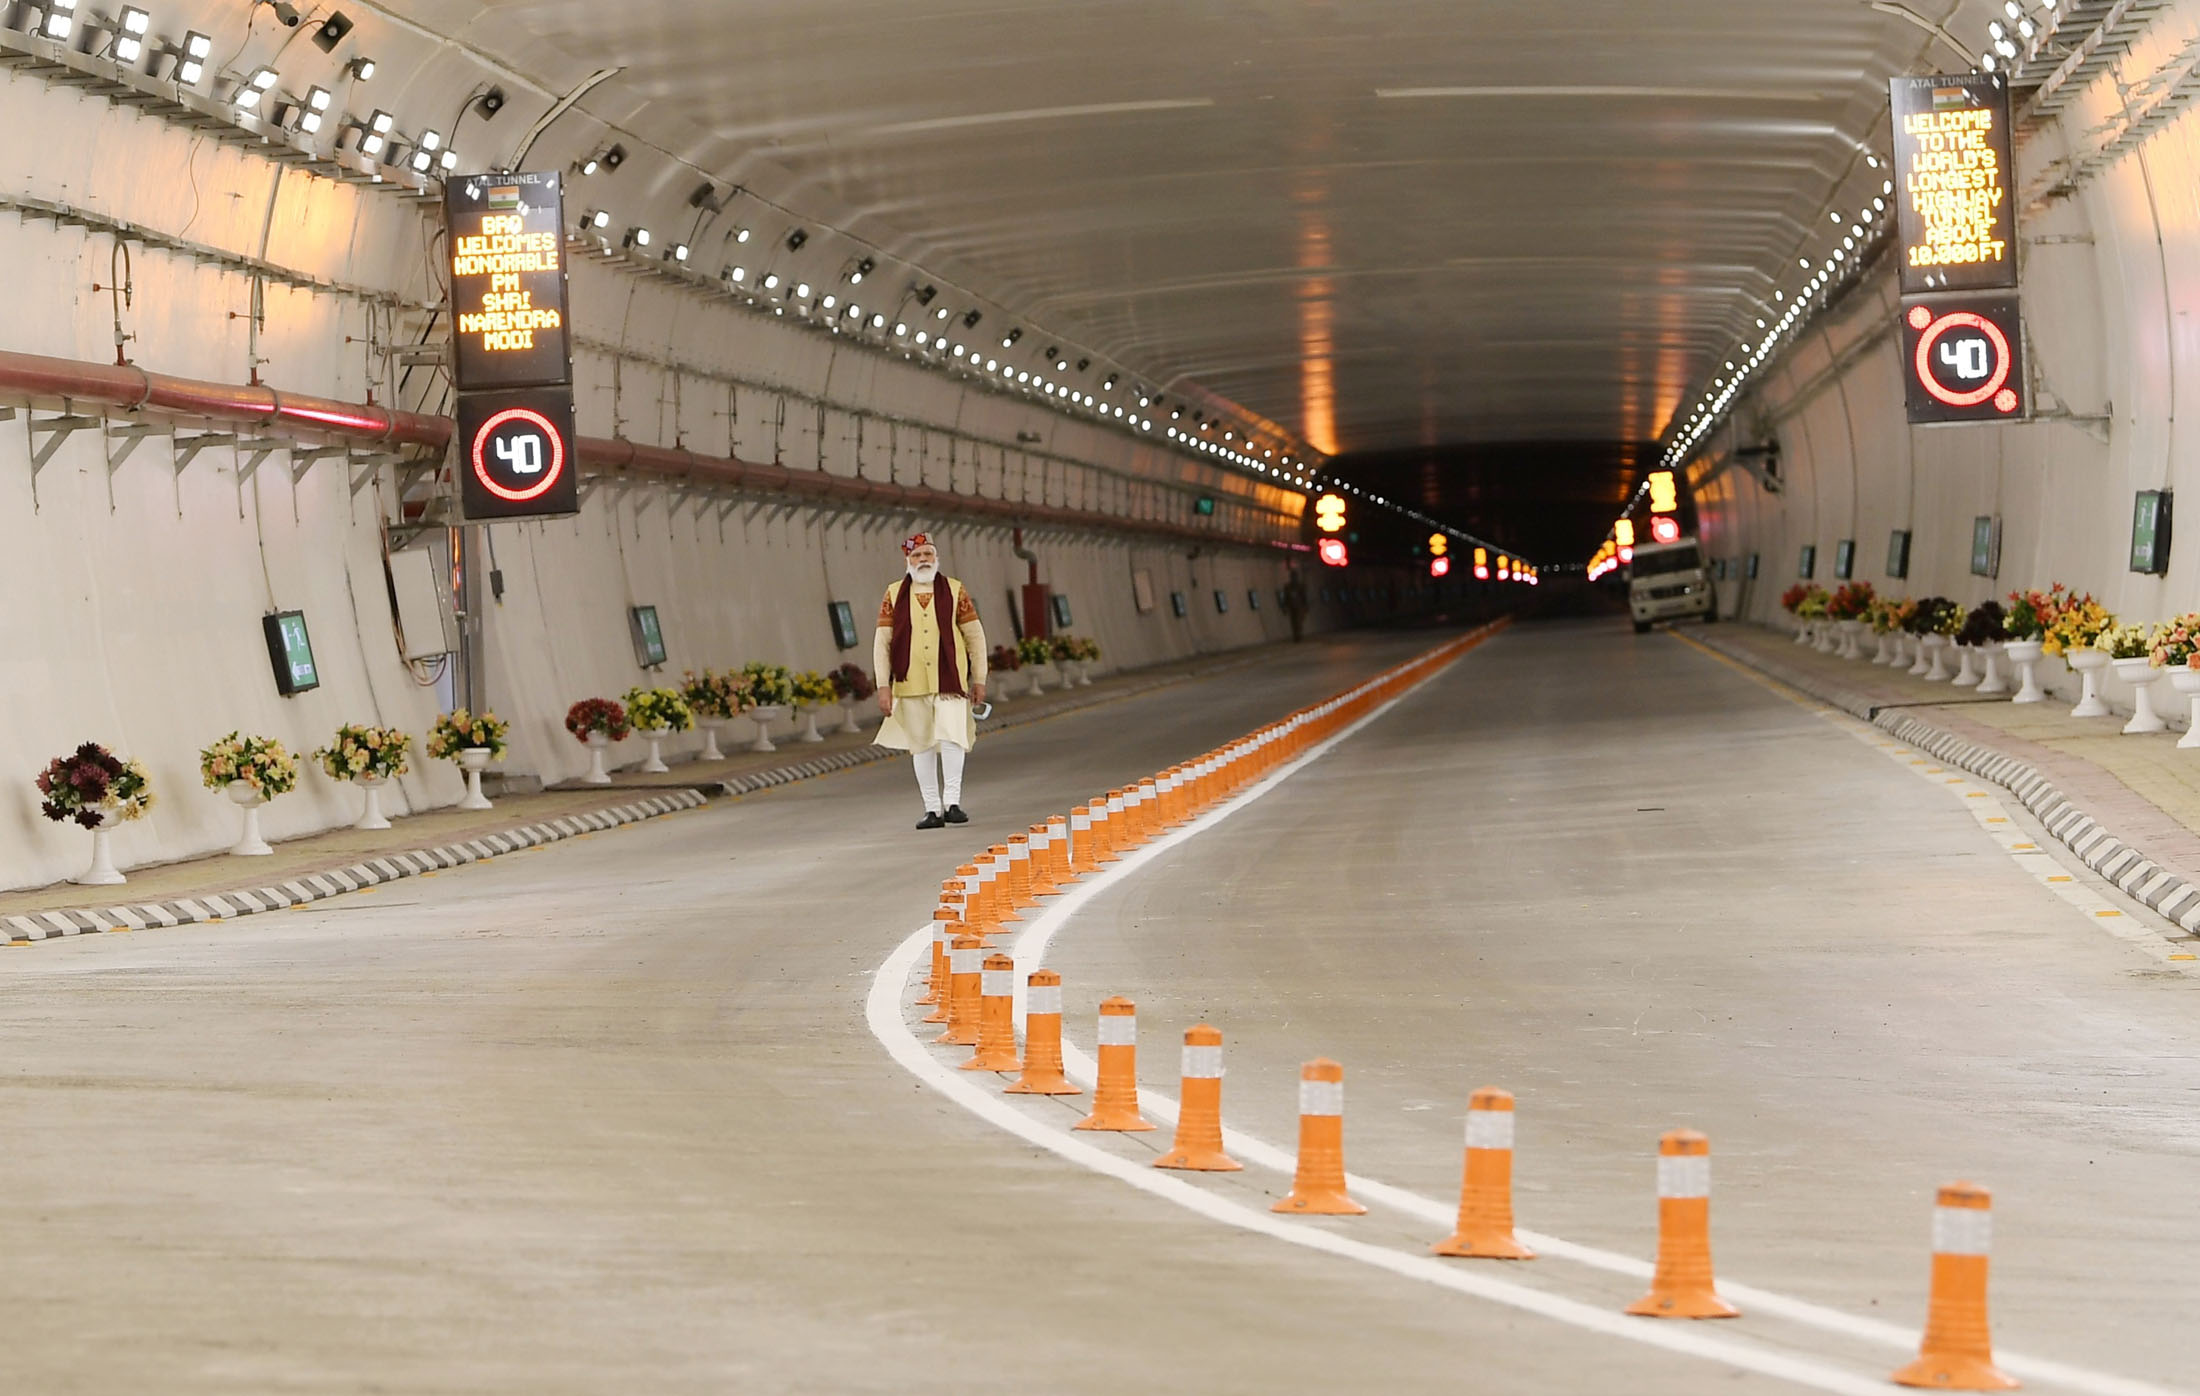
<point>1485,1228</point>
<point>935,988</point>
<point>1681,1286</point>
<point>1019,874</point>
<point>965,965</point>
<point>1115,1088</point>
<point>1957,1353</point>
<point>1149,809</point>
<point>1198,1143</point>
<point>1060,870</point>
<point>1002,887</point>
<point>1318,1186</point>
<point>1116,828</point>
<point>1042,862</point>
<point>996,1016</point>
<point>1043,1038</point>
<point>1082,837</point>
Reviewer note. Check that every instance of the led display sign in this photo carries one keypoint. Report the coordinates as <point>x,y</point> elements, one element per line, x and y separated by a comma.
<point>516,456</point>
<point>1963,359</point>
<point>290,650</point>
<point>507,260</point>
<point>1329,513</point>
<point>1664,499</point>
<point>1954,217</point>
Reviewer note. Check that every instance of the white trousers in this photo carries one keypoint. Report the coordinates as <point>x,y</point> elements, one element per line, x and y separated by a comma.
<point>938,793</point>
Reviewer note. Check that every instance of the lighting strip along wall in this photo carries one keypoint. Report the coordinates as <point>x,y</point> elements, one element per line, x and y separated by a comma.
<point>2075,41</point>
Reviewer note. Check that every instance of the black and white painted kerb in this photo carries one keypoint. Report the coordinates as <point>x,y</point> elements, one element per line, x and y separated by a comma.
<point>217,906</point>
<point>2137,876</point>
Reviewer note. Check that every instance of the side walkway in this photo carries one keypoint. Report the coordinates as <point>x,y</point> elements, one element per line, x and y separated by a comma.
<point>2129,806</point>
<point>337,861</point>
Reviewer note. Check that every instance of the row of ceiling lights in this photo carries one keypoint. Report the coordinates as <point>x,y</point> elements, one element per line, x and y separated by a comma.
<point>126,39</point>
<point>1844,259</point>
<point>948,339</point>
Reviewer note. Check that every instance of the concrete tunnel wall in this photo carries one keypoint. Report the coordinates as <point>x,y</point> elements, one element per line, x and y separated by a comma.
<point>134,597</point>
<point>2111,288</point>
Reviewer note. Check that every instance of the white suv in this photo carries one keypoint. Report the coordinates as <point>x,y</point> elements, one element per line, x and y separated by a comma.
<point>1667,581</point>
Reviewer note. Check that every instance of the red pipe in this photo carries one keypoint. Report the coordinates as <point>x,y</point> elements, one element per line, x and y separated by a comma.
<point>26,377</point>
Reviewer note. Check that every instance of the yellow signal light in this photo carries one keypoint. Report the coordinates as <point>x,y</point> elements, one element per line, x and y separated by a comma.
<point>1329,513</point>
<point>1663,498</point>
<point>1623,533</point>
<point>1438,545</point>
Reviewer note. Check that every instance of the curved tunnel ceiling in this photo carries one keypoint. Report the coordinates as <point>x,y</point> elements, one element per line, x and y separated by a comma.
<point>1385,225</point>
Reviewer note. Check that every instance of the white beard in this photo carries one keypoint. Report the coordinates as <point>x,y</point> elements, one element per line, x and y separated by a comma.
<point>924,576</point>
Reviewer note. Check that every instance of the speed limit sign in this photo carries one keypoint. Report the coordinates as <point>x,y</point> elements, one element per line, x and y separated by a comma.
<point>1963,358</point>
<point>516,455</point>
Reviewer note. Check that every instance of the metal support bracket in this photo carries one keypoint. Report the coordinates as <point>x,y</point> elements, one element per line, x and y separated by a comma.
<point>186,449</point>
<point>303,461</point>
<point>121,441</point>
<point>56,430</point>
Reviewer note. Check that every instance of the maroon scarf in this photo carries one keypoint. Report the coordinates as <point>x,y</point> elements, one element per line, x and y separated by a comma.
<point>943,602</point>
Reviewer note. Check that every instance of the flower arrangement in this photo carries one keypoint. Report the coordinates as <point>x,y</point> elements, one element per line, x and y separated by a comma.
<point>1062,646</point>
<point>1983,626</point>
<point>91,783</point>
<point>1034,649</point>
<point>1927,616</point>
<point>1897,613</point>
<point>769,685</point>
<point>460,730</point>
<point>711,694</point>
<point>597,715</point>
<point>651,709</point>
<point>372,752</point>
<point>260,762</point>
<point>853,681</point>
<point>1088,651</point>
<point>1948,617</point>
<point>1849,601</point>
<point>2077,624</point>
<point>1813,605</point>
<point>1005,659</point>
<point>2031,612</point>
<point>814,690</point>
<point>2126,642</point>
<point>1793,596</point>
<point>2175,642</point>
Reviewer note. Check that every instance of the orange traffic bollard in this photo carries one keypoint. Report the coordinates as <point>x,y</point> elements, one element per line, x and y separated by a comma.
<point>935,987</point>
<point>1149,810</point>
<point>1003,888</point>
<point>964,968</point>
<point>1198,1143</point>
<point>1117,827</point>
<point>996,1016</point>
<point>1318,1186</point>
<point>1957,1353</point>
<point>1059,868</point>
<point>1115,1089</point>
<point>1485,1226</point>
<point>1019,873</point>
<point>1043,1038</point>
<point>1082,839</point>
<point>1681,1287</point>
<point>1042,862</point>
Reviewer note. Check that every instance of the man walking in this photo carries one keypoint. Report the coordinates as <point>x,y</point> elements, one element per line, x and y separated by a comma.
<point>929,656</point>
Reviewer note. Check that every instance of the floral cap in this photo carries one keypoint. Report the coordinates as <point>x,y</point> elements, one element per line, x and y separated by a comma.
<point>915,541</point>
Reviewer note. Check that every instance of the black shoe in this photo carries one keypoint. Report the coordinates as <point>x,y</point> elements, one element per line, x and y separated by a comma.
<point>931,821</point>
<point>955,815</point>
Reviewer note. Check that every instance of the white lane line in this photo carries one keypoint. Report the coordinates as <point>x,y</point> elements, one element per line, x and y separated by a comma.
<point>888,1022</point>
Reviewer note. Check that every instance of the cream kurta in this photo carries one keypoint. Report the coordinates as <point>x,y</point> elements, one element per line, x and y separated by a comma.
<point>923,717</point>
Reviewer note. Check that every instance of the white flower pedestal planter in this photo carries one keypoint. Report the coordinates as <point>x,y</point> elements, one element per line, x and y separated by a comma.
<point>1829,636</point>
<point>655,736</point>
<point>598,743</point>
<point>472,760</point>
<point>2186,682</point>
<point>371,817</point>
<point>1936,648</point>
<point>1845,644</point>
<point>2025,654</point>
<point>102,872</point>
<point>1992,681</point>
<point>2087,665</point>
<point>1966,676</point>
<point>710,726</point>
<point>764,716</point>
<point>851,714</point>
<point>2142,675</point>
<point>1920,655</point>
<point>1883,651</point>
<point>1802,632</point>
<point>1038,680</point>
<point>249,844</point>
<point>809,732</point>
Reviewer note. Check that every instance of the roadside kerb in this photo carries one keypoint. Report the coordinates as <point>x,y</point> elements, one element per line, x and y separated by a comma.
<point>2160,889</point>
